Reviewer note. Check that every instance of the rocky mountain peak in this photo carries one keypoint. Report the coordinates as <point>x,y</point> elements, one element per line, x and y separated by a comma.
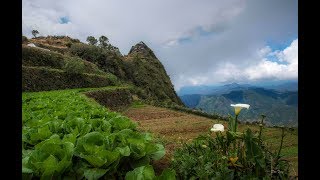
<point>143,49</point>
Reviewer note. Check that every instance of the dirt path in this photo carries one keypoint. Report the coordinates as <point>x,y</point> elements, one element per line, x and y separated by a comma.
<point>172,127</point>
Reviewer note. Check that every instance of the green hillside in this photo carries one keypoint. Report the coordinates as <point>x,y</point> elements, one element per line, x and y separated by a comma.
<point>89,112</point>
<point>60,62</point>
<point>147,72</point>
<point>279,107</point>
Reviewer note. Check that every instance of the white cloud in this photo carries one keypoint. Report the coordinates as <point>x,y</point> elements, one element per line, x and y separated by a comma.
<point>264,51</point>
<point>199,42</point>
<point>127,22</point>
<point>171,43</point>
<point>290,54</point>
<point>262,68</point>
<point>268,69</point>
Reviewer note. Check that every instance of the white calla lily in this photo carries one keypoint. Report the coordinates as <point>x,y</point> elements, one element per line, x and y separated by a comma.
<point>217,128</point>
<point>238,107</point>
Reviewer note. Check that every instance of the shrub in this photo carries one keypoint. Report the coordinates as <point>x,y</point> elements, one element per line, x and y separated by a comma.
<point>103,41</point>
<point>106,60</point>
<point>68,44</point>
<point>37,57</point>
<point>92,40</point>
<point>35,32</point>
<point>74,66</point>
<point>114,100</point>
<point>232,155</point>
<point>24,39</point>
<point>74,40</point>
<point>91,68</point>
<point>45,79</point>
<point>88,52</point>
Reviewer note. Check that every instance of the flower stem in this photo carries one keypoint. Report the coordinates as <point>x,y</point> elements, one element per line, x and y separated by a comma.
<point>261,125</point>
<point>236,123</point>
<point>282,136</point>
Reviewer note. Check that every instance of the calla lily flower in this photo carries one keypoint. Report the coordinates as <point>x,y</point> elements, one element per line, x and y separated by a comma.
<point>238,107</point>
<point>217,128</point>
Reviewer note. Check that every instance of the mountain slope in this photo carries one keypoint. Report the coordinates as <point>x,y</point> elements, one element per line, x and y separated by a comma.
<point>65,61</point>
<point>279,107</point>
<point>146,71</point>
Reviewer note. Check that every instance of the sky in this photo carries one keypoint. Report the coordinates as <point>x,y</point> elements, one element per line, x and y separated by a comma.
<point>200,42</point>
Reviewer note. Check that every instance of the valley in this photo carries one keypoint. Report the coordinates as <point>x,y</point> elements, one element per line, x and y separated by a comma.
<point>280,107</point>
<point>91,113</point>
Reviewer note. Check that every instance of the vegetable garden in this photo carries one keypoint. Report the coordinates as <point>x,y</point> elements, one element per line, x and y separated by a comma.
<point>66,135</point>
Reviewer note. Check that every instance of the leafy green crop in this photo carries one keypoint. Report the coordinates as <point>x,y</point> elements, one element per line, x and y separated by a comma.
<point>147,173</point>
<point>65,135</point>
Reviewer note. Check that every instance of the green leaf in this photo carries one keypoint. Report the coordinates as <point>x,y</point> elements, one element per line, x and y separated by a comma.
<point>157,151</point>
<point>39,134</point>
<point>147,136</point>
<point>25,168</point>
<point>50,164</point>
<point>121,122</point>
<point>140,162</point>
<point>95,173</point>
<point>91,147</point>
<point>96,160</point>
<point>101,158</point>
<point>231,124</point>
<point>141,173</point>
<point>167,174</point>
<point>70,138</point>
<point>124,151</point>
<point>50,157</point>
<point>137,147</point>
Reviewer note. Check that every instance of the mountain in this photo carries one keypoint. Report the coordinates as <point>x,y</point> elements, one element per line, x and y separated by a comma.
<point>280,107</point>
<point>191,100</point>
<point>229,87</point>
<point>60,62</point>
<point>288,86</point>
<point>207,90</point>
<point>218,89</point>
<point>147,72</point>
<point>196,90</point>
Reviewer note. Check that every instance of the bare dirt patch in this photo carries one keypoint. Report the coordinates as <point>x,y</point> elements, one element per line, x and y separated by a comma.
<point>173,127</point>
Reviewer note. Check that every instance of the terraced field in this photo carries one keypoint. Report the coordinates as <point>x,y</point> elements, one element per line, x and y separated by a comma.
<point>175,128</point>
<point>172,128</point>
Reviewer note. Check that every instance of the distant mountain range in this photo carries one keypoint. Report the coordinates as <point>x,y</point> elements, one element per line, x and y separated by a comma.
<point>278,102</point>
<point>216,89</point>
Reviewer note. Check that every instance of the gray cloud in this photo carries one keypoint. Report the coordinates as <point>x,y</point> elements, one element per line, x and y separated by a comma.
<point>199,42</point>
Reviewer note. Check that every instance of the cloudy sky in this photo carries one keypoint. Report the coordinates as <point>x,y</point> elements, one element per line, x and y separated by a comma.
<point>200,42</point>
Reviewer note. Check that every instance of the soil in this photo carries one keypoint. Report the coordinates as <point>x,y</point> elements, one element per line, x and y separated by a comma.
<point>173,127</point>
<point>114,100</point>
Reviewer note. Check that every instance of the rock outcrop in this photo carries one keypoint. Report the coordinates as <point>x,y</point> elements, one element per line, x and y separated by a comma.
<point>146,71</point>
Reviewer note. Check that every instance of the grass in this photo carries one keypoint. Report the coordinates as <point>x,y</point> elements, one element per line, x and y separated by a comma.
<point>178,127</point>
<point>137,104</point>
